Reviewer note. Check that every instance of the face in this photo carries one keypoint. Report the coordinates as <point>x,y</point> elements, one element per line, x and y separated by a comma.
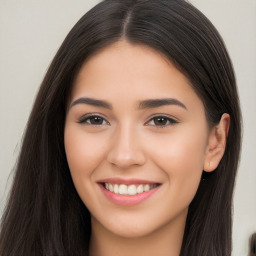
<point>135,138</point>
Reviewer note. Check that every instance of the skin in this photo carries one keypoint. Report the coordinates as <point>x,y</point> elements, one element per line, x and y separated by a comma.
<point>128,142</point>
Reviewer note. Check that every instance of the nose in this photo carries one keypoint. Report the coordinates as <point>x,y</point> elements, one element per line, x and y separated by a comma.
<point>126,150</point>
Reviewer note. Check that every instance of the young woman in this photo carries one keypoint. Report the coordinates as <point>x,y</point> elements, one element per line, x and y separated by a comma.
<point>133,142</point>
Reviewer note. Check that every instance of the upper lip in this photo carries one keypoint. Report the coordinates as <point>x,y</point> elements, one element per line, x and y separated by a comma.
<point>127,181</point>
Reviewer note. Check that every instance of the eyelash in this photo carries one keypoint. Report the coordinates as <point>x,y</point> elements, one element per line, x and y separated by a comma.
<point>170,121</point>
<point>167,119</point>
<point>85,118</point>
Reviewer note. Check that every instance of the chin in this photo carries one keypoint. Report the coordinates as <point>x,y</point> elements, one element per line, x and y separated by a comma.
<point>139,226</point>
<point>132,231</point>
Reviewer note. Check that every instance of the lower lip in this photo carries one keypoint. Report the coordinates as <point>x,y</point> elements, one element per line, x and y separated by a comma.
<point>126,199</point>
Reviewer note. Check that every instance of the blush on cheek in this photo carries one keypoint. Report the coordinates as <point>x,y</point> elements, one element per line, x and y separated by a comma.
<point>83,151</point>
<point>183,163</point>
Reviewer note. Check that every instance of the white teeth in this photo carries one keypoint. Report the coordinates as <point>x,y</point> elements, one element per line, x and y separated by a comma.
<point>130,190</point>
<point>146,187</point>
<point>116,190</point>
<point>139,189</point>
<point>123,189</point>
<point>110,187</point>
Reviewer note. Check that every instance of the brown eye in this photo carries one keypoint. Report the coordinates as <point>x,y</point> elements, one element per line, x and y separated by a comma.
<point>161,121</point>
<point>93,120</point>
<point>96,120</point>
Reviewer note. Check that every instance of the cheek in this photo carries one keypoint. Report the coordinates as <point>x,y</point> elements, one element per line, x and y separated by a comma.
<point>84,153</point>
<point>183,151</point>
<point>181,156</point>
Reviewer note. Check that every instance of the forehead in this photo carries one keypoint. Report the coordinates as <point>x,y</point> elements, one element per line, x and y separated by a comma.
<point>133,72</point>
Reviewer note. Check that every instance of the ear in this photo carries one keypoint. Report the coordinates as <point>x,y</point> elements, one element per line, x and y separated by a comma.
<point>216,144</point>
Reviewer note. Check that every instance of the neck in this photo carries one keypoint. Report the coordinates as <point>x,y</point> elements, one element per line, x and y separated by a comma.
<point>166,240</point>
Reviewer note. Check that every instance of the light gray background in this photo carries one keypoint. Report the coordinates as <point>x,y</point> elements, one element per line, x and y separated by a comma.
<point>31,32</point>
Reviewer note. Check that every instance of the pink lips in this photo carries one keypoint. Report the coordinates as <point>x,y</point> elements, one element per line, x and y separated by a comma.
<point>127,200</point>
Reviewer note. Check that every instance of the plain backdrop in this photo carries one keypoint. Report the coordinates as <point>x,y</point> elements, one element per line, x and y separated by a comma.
<point>30,34</point>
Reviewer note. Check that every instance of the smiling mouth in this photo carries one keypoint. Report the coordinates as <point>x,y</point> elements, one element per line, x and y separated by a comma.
<point>129,190</point>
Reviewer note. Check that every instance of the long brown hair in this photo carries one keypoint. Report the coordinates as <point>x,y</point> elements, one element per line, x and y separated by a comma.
<point>44,214</point>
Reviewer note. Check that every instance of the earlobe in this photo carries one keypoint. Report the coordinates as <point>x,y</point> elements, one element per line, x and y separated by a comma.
<point>216,143</point>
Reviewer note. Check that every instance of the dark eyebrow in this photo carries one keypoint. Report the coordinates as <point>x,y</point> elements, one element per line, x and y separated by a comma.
<point>151,103</point>
<point>93,102</point>
<point>154,103</point>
